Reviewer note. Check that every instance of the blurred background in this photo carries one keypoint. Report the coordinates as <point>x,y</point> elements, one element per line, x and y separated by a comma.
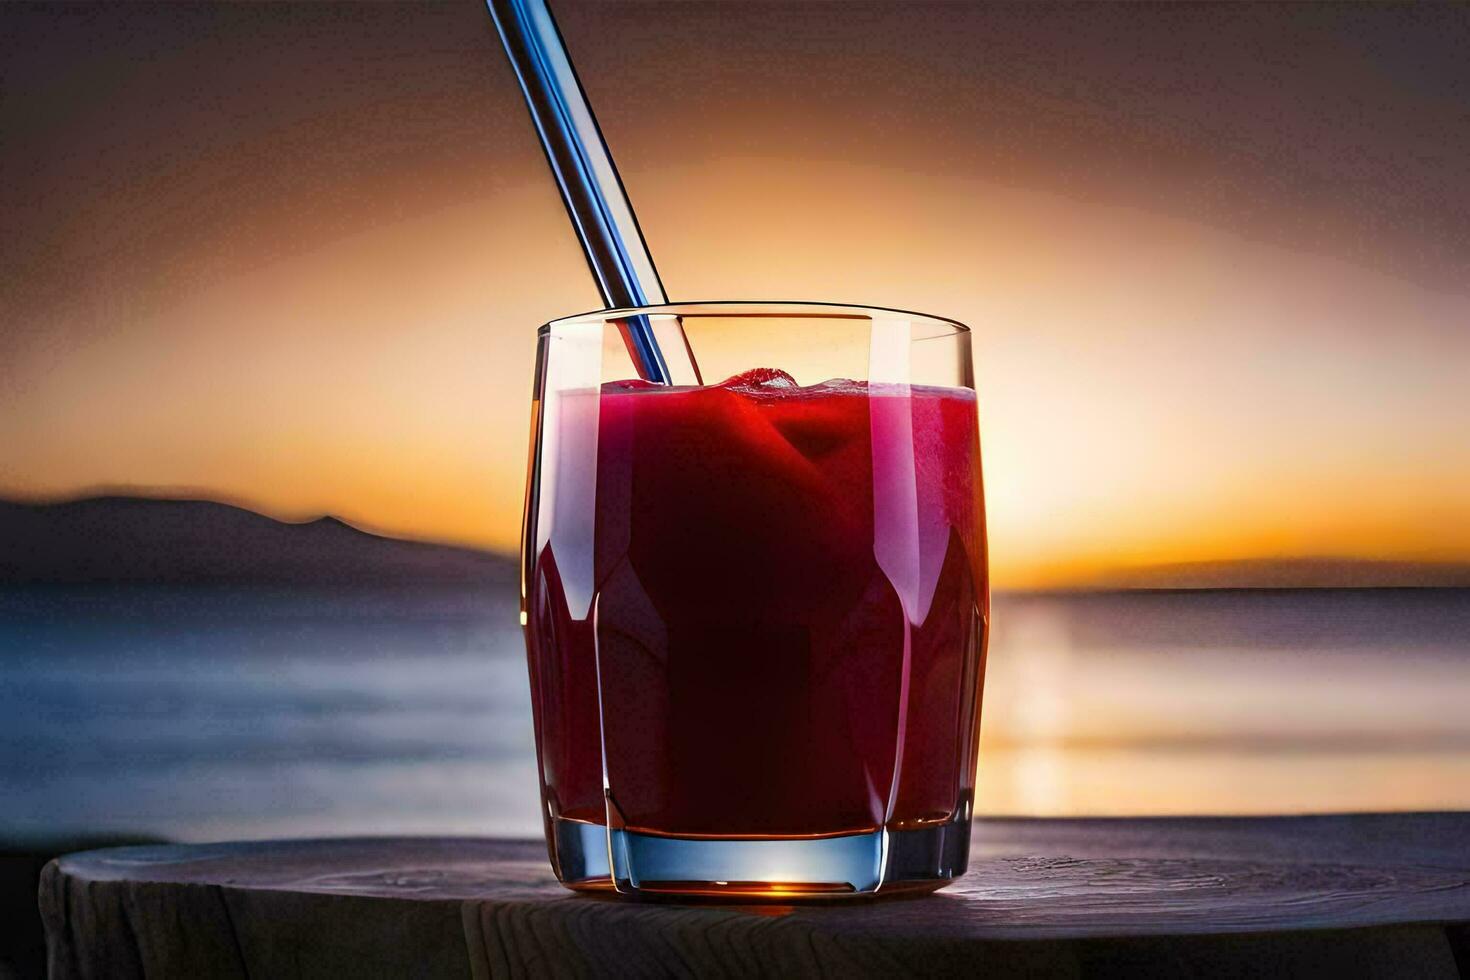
<point>269,283</point>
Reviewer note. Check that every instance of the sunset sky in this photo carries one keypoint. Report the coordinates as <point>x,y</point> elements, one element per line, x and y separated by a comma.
<point>1217,259</point>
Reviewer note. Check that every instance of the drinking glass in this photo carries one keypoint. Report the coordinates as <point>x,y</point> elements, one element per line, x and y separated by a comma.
<point>756,607</point>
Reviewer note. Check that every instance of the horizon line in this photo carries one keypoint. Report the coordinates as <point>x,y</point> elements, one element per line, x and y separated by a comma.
<point>1115,580</point>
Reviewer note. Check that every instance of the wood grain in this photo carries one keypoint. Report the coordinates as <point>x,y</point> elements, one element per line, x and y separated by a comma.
<point>1362,895</point>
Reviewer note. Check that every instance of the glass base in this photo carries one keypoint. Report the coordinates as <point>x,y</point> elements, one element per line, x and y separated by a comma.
<point>590,857</point>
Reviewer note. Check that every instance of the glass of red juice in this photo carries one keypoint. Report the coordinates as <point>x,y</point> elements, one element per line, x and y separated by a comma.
<point>756,607</point>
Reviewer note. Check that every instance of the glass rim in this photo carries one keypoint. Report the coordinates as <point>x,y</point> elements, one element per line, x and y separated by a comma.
<point>769,308</point>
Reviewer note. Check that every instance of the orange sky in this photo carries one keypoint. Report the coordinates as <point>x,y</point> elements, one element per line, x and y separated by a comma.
<point>323,298</point>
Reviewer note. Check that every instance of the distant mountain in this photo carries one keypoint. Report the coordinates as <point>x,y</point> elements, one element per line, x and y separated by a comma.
<point>1290,573</point>
<point>131,539</point>
<point>139,539</point>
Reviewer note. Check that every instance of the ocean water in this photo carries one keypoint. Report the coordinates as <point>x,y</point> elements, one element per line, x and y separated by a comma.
<point>200,714</point>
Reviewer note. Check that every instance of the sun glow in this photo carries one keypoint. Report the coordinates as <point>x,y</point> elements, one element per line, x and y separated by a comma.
<point>1194,396</point>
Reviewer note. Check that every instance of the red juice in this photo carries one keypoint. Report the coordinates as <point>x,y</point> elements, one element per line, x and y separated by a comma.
<point>785,629</point>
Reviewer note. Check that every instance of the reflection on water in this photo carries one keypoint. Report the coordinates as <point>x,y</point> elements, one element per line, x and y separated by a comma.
<point>1234,702</point>
<point>208,714</point>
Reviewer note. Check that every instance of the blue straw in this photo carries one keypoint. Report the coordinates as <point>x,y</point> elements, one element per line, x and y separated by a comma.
<point>590,186</point>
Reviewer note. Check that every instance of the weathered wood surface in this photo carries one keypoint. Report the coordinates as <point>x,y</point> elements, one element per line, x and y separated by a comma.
<point>1363,895</point>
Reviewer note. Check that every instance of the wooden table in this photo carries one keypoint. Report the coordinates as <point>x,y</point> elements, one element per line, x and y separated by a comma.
<point>1375,895</point>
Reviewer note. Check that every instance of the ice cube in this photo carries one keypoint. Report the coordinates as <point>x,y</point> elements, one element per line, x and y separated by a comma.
<point>631,384</point>
<point>761,380</point>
